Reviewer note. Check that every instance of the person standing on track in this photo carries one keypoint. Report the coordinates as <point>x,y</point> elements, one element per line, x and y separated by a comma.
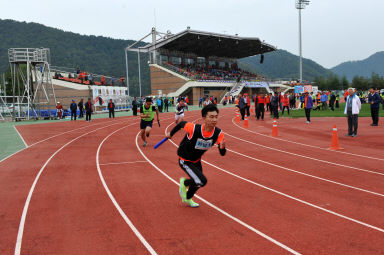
<point>166,104</point>
<point>242,106</point>
<point>179,111</point>
<point>196,142</point>
<point>308,105</point>
<point>280,101</point>
<point>111,109</point>
<point>275,105</point>
<point>352,109</point>
<point>147,113</point>
<point>285,104</point>
<point>134,106</point>
<point>260,106</point>
<point>268,101</point>
<point>73,108</point>
<point>59,110</point>
<point>256,100</point>
<point>374,100</point>
<point>81,108</point>
<point>88,110</point>
<point>248,104</point>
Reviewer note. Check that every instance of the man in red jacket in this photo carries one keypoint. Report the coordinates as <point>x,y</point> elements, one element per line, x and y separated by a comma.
<point>285,103</point>
<point>248,104</point>
<point>59,109</point>
<point>260,106</point>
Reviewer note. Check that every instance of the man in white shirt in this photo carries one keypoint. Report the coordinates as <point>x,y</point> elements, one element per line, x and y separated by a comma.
<point>207,101</point>
<point>352,109</point>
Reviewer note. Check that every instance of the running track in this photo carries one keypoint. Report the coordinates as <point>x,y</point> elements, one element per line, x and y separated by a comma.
<point>90,188</point>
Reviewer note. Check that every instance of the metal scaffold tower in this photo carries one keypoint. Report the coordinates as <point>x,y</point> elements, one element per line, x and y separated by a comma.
<point>32,88</point>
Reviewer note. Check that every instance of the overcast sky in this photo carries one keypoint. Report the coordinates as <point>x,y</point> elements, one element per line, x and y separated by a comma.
<point>334,31</point>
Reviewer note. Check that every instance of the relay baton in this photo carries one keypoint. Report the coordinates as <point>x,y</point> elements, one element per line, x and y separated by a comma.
<point>160,143</point>
<point>158,122</point>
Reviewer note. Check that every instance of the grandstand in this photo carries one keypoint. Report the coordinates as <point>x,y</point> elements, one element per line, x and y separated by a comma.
<point>74,84</point>
<point>194,63</point>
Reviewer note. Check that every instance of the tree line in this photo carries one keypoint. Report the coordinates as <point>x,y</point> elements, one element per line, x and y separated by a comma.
<point>334,82</point>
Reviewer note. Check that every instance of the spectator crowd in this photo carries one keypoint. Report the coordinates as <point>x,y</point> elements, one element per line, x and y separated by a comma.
<point>86,78</point>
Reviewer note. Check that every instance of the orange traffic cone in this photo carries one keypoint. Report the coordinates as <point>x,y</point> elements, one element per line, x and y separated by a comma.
<point>335,140</point>
<point>237,115</point>
<point>245,121</point>
<point>274,128</point>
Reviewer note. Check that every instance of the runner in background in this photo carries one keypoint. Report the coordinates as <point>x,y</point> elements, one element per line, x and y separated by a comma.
<point>179,111</point>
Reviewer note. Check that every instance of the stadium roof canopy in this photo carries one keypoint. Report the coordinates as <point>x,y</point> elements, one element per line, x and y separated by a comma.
<point>205,44</point>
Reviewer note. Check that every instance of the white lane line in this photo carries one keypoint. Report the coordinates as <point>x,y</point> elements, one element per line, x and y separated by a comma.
<point>26,145</point>
<point>115,203</point>
<point>121,163</point>
<point>290,197</point>
<point>46,139</point>
<point>303,156</point>
<point>297,199</point>
<point>28,200</point>
<point>218,209</point>
<point>307,145</point>
<point>305,174</point>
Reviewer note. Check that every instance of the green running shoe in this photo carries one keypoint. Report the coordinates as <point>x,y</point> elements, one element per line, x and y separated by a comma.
<point>182,189</point>
<point>190,203</point>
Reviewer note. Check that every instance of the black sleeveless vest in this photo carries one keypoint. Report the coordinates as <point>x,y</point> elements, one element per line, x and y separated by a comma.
<point>193,148</point>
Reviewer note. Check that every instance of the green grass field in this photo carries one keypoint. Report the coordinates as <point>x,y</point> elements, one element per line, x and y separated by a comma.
<point>364,112</point>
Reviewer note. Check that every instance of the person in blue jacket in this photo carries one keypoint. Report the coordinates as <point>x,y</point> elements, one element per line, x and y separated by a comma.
<point>308,104</point>
<point>374,100</point>
<point>73,108</point>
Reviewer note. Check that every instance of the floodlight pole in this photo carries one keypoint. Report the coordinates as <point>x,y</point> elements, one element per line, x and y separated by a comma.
<point>138,63</point>
<point>126,65</point>
<point>300,49</point>
<point>300,4</point>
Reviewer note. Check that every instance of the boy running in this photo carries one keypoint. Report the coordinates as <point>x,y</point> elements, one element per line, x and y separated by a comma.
<point>179,111</point>
<point>147,112</point>
<point>196,142</point>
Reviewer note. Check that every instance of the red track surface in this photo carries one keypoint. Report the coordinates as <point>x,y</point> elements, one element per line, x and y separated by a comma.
<point>285,195</point>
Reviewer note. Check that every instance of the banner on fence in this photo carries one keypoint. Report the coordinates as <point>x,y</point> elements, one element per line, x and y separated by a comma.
<point>256,84</point>
<point>299,89</point>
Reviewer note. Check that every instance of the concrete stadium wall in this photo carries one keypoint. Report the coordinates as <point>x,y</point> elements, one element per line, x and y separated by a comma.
<point>164,81</point>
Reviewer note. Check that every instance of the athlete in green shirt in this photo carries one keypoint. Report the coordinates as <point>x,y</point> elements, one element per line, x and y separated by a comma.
<point>147,113</point>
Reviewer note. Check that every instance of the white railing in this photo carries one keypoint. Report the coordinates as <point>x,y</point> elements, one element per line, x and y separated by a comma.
<point>28,55</point>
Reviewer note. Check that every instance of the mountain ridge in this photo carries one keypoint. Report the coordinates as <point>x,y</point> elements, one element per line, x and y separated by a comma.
<point>364,68</point>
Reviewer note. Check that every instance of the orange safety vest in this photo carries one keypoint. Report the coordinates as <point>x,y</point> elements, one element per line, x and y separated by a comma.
<point>260,100</point>
<point>285,101</point>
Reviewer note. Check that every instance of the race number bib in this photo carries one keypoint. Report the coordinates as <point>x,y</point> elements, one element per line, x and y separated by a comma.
<point>203,144</point>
